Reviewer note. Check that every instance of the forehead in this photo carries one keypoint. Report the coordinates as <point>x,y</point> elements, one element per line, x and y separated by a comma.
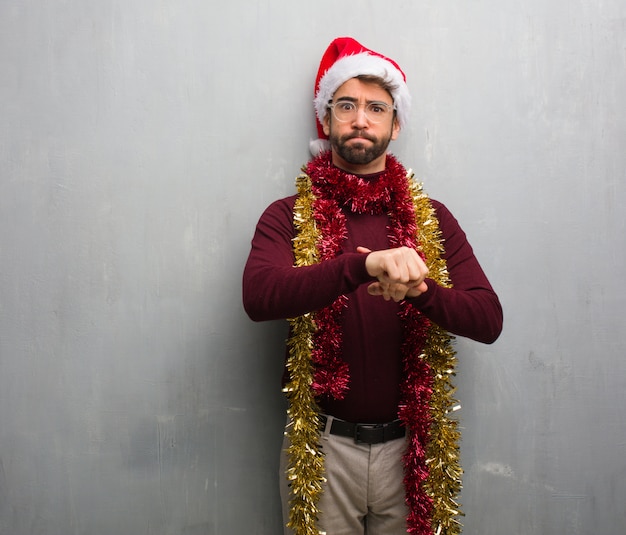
<point>361,90</point>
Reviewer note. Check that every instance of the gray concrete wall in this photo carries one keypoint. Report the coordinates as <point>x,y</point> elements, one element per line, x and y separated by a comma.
<point>139,143</point>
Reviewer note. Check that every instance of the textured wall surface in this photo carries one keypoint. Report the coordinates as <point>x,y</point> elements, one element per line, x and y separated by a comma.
<point>140,141</point>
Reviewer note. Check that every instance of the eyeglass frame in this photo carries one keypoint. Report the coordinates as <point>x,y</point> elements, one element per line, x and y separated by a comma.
<point>389,107</point>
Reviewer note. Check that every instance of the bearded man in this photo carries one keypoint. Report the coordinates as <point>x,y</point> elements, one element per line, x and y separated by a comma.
<point>374,279</point>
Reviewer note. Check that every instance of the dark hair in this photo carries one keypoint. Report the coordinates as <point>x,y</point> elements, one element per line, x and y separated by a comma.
<point>388,86</point>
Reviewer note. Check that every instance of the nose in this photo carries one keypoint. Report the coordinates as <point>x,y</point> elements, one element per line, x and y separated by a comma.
<point>360,119</point>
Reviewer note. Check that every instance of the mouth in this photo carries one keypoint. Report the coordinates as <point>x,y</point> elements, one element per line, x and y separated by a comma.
<point>360,137</point>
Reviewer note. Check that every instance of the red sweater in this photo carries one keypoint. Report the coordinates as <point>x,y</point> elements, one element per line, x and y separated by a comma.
<point>274,289</point>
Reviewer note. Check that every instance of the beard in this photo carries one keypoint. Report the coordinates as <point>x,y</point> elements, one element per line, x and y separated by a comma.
<point>359,153</point>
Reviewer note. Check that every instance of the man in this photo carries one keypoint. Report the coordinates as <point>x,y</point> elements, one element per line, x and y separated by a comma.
<point>372,276</point>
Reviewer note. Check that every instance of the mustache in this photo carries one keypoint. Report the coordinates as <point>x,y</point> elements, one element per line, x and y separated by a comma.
<point>359,134</point>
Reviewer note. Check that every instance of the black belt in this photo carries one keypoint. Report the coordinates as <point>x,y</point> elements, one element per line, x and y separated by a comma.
<point>365,433</point>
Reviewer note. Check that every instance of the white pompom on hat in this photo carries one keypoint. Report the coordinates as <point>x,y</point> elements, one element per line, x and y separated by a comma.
<point>344,59</point>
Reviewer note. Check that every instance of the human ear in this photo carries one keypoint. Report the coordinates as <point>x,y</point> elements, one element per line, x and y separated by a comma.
<point>326,124</point>
<point>395,128</point>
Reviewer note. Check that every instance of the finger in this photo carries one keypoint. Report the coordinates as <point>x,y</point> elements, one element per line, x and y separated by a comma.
<point>374,289</point>
<point>422,288</point>
<point>417,270</point>
<point>399,292</point>
<point>394,268</point>
<point>379,290</point>
<point>416,291</point>
<point>406,266</point>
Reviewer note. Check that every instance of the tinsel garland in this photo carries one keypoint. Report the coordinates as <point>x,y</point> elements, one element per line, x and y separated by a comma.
<point>432,469</point>
<point>428,395</point>
<point>306,462</point>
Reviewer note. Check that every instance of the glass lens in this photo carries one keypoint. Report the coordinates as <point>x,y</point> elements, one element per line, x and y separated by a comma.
<point>377,111</point>
<point>346,110</point>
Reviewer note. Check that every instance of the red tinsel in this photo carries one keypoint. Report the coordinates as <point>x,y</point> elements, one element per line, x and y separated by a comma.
<point>388,193</point>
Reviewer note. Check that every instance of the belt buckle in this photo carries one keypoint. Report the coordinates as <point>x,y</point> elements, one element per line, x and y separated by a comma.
<point>376,431</point>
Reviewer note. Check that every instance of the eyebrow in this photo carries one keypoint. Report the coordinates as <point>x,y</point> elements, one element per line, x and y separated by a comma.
<point>353,99</point>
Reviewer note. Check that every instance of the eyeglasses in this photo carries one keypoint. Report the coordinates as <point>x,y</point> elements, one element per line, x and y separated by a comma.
<point>346,110</point>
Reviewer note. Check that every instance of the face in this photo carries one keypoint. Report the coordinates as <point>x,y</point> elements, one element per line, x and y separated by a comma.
<point>360,146</point>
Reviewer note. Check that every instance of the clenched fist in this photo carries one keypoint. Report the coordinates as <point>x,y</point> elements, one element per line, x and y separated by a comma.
<point>400,273</point>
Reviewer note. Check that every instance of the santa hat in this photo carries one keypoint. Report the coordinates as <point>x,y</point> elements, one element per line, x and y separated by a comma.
<point>344,59</point>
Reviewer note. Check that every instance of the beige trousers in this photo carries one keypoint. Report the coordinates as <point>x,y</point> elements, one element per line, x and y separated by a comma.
<point>364,492</point>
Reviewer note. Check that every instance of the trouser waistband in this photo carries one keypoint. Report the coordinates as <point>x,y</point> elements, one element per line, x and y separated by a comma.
<point>364,433</point>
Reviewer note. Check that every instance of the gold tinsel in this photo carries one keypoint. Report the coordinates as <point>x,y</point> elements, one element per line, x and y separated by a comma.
<point>305,471</point>
<point>443,483</point>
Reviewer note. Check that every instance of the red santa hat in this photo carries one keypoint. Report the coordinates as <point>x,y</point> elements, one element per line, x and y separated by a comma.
<point>344,59</point>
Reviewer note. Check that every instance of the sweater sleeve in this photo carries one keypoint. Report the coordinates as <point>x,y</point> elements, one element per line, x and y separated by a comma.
<point>274,289</point>
<point>470,308</point>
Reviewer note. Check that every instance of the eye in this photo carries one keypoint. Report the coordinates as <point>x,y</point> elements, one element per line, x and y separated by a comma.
<point>377,108</point>
<point>344,106</point>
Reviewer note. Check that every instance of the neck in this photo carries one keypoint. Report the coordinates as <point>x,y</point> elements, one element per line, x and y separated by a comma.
<point>375,166</point>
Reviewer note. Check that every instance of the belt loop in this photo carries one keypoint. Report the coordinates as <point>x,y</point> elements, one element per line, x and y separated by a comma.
<point>329,423</point>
